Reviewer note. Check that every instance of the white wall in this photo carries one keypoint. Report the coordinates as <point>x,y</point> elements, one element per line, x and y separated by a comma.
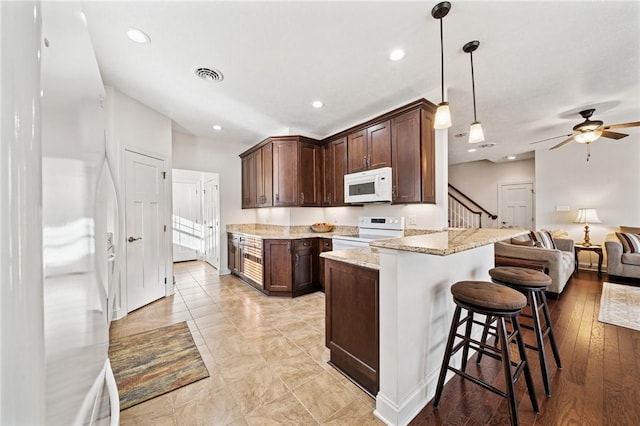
<point>479,180</point>
<point>608,182</point>
<point>133,126</point>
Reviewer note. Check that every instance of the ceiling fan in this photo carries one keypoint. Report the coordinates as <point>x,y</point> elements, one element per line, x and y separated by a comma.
<point>591,130</point>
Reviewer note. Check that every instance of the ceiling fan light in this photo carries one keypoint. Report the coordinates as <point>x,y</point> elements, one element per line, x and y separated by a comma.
<point>475,132</point>
<point>443,117</point>
<point>588,137</point>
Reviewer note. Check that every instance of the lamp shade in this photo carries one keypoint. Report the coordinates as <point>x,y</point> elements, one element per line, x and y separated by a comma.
<point>475,132</point>
<point>587,216</point>
<point>588,137</point>
<point>443,117</point>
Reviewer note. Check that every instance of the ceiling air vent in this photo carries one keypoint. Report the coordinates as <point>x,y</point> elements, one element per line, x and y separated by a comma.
<point>209,74</point>
<point>487,145</point>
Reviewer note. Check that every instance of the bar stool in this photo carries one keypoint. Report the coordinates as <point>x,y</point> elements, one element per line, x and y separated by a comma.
<point>532,284</point>
<point>501,303</point>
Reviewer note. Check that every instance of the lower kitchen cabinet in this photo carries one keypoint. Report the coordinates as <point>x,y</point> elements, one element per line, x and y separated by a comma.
<point>352,322</point>
<point>278,268</point>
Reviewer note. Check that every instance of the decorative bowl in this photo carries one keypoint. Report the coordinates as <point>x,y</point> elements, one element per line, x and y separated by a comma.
<point>322,227</point>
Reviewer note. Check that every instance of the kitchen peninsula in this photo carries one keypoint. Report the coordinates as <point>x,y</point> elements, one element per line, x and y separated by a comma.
<point>415,308</point>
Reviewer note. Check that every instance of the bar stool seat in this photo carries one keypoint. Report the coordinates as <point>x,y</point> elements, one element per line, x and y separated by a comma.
<point>532,284</point>
<point>501,303</point>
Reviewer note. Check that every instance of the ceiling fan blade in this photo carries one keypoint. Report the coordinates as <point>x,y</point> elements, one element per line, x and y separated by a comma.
<point>622,125</point>
<point>613,135</point>
<point>548,139</point>
<point>564,142</point>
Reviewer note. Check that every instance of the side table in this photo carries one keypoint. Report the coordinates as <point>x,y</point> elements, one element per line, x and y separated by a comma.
<point>593,248</point>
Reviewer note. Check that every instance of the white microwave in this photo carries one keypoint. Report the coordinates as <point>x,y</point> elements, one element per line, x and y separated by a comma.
<point>370,186</point>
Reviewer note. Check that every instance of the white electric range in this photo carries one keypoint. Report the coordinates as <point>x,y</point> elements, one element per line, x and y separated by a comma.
<point>370,229</point>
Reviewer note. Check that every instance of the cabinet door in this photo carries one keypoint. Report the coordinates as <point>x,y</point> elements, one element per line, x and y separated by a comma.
<point>379,146</point>
<point>428,158</point>
<point>357,151</point>
<point>264,176</point>
<point>327,177</point>
<point>310,174</point>
<point>278,272</point>
<point>338,170</point>
<point>305,264</point>
<point>285,173</point>
<point>248,164</point>
<point>352,321</point>
<point>405,147</point>
<point>324,244</point>
<point>233,254</point>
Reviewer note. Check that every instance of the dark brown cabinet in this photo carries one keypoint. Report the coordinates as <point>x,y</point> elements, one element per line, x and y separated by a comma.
<point>369,148</point>
<point>334,163</point>
<point>278,267</point>
<point>291,267</point>
<point>412,153</point>
<point>257,178</point>
<point>352,322</point>
<point>324,244</point>
<point>296,172</point>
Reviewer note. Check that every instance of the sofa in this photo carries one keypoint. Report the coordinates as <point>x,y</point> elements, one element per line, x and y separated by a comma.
<point>560,262</point>
<point>619,263</point>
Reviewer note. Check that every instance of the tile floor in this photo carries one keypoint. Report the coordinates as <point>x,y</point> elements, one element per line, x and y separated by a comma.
<point>266,358</point>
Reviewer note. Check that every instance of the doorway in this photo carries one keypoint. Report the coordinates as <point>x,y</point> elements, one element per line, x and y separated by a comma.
<point>516,205</point>
<point>196,216</point>
<point>145,207</point>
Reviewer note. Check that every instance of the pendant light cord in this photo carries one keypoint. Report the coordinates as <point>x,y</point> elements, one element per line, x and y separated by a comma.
<point>473,88</point>
<point>441,60</point>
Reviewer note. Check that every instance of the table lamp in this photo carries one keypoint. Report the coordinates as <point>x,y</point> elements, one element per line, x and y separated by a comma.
<point>587,216</point>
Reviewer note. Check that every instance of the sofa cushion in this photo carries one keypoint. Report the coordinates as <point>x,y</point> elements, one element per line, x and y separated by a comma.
<point>542,239</point>
<point>631,258</point>
<point>630,242</point>
<point>519,242</point>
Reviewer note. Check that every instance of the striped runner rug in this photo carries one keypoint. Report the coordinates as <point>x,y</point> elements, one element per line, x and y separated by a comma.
<point>152,363</point>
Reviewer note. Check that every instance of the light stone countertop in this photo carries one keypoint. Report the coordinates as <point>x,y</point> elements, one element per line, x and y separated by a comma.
<point>450,241</point>
<point>277,232</point>
<point>364,257</point>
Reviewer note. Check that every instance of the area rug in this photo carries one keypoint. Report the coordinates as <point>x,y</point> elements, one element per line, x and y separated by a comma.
<point>152,363</point>
<point>620,305</point>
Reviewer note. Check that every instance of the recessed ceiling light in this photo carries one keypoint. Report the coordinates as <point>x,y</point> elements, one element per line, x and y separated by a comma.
<point>396,54</point>
<point>217,127</point>
<point>138,36</point>
<point>511,157</point>
<point>471,150</point>
<point>317,104</point>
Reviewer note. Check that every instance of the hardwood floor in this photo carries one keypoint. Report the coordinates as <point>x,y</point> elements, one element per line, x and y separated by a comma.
<point>599,383</point>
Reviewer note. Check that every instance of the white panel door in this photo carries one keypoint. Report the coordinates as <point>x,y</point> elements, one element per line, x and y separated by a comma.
<point>187,227</point>
<point>211,223</point>
<point>145,229</point>
<point>516,205</point>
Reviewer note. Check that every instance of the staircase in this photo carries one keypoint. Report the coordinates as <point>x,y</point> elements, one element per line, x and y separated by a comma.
<point>464,212</point>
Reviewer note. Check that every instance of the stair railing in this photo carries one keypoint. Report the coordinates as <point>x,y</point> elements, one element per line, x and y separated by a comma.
<point>461,212</point>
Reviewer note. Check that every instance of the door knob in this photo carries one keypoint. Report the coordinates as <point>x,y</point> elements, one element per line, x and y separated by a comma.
<point>131,239</point>
<point>210,227</point>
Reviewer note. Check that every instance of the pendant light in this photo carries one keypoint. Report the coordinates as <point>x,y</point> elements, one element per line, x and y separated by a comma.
<point>443,115</point>
<point>475,131</point>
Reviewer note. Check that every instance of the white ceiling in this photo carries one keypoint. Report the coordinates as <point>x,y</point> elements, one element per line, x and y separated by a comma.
<point>538,64</point>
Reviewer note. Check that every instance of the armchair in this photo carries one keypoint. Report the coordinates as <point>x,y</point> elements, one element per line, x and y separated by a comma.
<point>560,262</point>
<point>619,263</point>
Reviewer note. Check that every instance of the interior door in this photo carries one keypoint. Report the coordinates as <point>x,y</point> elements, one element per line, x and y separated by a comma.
<point>187,227</point>
<point>212,223</point>
<point>145,227</point>
<point>516,205</point>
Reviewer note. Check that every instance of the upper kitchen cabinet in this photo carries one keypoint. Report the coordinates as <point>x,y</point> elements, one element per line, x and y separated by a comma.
<point>297,176</point>
<point>413,157</point>
<point>369,148</point>
<point>334,162</point>
<point>257,177</point>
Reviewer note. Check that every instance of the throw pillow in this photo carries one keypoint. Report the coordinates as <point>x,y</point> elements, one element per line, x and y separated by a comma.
<point>542,239</point>
<point>630,242</point>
